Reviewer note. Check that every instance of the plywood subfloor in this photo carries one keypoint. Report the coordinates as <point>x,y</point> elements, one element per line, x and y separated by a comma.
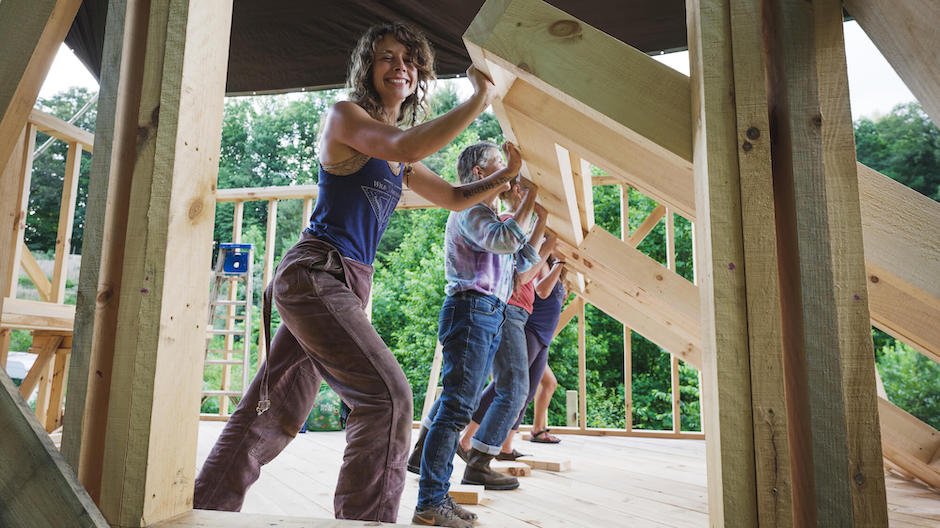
<point>614,482</point>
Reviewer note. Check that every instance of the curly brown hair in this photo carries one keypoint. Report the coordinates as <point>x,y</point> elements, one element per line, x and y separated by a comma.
<point>359,81</point>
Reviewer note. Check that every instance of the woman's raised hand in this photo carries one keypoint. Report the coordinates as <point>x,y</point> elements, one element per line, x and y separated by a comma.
<point>481,84</point>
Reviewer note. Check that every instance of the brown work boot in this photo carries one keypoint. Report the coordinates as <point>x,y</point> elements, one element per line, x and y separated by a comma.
<point>444,514</point>
<point>479,473</point>
<point>414,461</point>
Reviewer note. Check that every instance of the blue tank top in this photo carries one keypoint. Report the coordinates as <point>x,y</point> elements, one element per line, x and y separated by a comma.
<point>546,313</point>
<point>353,211</point>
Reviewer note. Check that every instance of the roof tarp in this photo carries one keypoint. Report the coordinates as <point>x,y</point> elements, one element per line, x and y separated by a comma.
<point>287,45</point>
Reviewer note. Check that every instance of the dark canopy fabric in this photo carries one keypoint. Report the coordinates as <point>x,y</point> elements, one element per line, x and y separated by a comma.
<point>287,45</point>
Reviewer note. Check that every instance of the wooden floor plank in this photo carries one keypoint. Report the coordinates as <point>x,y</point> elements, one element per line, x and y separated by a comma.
<point>614,481</point>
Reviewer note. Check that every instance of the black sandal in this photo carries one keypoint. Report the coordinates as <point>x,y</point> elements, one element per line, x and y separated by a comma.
<point>542,437</point>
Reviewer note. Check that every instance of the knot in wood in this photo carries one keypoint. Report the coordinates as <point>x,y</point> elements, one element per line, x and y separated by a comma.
<point>752,133</point>
<point>524,67</point>
<point>817,120</point>
<point>565,29</point>
<point>874,279</point>
<point>195,208</point>
<point>747,146</point>
<point>859,479</point>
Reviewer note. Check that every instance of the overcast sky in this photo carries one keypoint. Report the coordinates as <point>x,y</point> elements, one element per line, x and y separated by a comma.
<point>874,86</point>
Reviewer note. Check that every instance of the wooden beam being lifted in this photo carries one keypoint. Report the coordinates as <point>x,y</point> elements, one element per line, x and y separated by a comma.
<point>546,47</point>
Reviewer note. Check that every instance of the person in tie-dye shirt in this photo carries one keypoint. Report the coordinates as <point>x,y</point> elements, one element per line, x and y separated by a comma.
<point>481,254</point>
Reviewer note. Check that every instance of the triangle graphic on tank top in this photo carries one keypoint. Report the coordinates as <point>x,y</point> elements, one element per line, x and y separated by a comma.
<point>383,203</point>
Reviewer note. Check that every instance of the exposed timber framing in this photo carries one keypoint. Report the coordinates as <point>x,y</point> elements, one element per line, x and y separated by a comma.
<point>905,32</point>
<point>14,176</point>
<point>32,31</point>
<point>748,481</point>
<point>545,46</point>
<point>173,84</point>
<point>103,247</point>
<point>901,228</point>
<point>831,389</point>
<point>39,488</point>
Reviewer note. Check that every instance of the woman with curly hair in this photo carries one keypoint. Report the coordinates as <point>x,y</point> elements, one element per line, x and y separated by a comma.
<point>322,284</point>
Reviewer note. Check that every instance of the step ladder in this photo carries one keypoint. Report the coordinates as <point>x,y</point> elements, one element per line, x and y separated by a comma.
<point>229,318</point>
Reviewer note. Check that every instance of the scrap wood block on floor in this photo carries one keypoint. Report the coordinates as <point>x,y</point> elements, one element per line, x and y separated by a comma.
<point>516,469</point>
<point>466,493</point>
<point>546,463</point>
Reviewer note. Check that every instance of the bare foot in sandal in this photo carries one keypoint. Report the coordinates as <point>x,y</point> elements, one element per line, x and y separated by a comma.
<point>543,437</point>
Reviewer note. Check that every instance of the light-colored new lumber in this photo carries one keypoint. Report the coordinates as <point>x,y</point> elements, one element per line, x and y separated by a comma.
<point>12,222</point>
<point>37,487</point>
<point>433,377</point>
<point>582,369</point>
<point>584,191</point>
<point>466,494</point>
<point>831,396</point>
<point>148,474</point>
<point>53,417</point>
<point>554,181</point>
<point>905,32</point>
<point>106,224</point>
<point>268,271</point>
<point>25,314</point>
<point>57,128</point>
<point>221,519</point>
<point>516,469</point>
<point>730,450</point>
<point>575,63</point>
<point>63,241</point>
<point>640,320</point>
<point>627,271</point>
<point>911,444</point>
<point>238,216</point>
<point>45,348</point>
<point>30,34</point>
<point>546,463</point>
<point>36,274</point>
<point>901,230</point>
<point>667,179</point>
<point>624,192</point>
<point>644,229</point>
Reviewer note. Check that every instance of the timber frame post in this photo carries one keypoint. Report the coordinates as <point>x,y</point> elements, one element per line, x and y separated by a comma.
<point>791,403</point>
<point>142,307</point>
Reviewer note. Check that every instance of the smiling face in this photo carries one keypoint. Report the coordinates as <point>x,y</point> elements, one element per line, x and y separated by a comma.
<point>389,72</point>
<point>394,74</point>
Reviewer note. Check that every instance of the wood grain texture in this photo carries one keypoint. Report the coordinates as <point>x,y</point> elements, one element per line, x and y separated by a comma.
<point>159,344</point>
<point>37,488</point>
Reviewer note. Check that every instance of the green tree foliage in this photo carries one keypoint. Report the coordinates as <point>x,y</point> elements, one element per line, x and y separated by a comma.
<point>904,145</point>
<point>49,175</point>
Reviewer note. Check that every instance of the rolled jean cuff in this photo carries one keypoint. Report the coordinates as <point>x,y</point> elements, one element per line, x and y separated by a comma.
<point>484,448</point>
<point>426,421</point>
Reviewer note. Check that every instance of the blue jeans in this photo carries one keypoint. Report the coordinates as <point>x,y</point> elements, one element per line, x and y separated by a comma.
<point>501,402</point>
<point>469,329</point>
